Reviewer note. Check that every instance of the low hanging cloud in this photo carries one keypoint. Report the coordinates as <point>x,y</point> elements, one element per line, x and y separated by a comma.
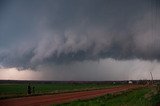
<point>39,32</point>
<point>105,69</point>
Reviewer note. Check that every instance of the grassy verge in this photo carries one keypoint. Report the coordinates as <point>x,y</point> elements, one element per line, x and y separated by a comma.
<point>155,98</point>
<point>128,98</point>
<point>19,90</point>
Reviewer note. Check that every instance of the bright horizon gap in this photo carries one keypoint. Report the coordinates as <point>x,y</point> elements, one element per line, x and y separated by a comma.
<point>135,71</point>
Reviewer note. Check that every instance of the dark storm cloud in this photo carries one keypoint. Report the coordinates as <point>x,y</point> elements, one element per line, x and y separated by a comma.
<point>34,32</point>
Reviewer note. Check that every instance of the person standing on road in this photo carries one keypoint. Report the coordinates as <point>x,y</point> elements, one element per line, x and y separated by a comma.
<point>29,88</point>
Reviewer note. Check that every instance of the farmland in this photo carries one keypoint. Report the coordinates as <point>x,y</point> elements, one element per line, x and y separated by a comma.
<point>65,97</point>
<point>139,97</point>
<point>57,92</point>
<point>20,89</point>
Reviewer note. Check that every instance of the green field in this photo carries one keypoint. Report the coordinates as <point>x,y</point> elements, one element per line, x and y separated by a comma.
<point>12,90</point>
<point>140,97</point>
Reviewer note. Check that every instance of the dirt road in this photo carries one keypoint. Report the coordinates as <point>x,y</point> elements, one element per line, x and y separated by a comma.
<point>62,98</point>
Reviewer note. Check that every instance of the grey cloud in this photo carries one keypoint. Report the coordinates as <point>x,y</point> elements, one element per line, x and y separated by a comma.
<point>105,69</point>
<point>60,32</point>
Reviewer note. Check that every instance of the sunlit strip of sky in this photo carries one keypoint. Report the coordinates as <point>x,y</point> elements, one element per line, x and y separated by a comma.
<point>100,71</point>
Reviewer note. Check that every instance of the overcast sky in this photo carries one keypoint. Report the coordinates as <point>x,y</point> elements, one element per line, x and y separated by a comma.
<point>79,39</point>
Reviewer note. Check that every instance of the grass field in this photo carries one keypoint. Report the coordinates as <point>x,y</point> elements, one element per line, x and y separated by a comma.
<point>11,90</point>
<point>130,98</point>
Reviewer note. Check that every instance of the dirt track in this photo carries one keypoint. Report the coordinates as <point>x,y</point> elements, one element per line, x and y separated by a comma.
<point>61,98</point>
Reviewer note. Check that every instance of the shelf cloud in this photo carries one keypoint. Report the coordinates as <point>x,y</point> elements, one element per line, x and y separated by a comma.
<point>60,32</point>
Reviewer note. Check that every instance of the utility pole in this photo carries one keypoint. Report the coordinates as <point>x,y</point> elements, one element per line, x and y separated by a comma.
<point>151,77</point>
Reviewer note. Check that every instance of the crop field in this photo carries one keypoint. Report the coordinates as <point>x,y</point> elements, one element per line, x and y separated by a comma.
<point>66,97</point>
<point>15,90</point>
<point>139,97</point>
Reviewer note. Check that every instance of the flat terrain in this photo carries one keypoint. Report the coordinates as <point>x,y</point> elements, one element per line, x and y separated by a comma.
<point>17,90</point>
<point>63,97</point>
<point>137,97</point>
